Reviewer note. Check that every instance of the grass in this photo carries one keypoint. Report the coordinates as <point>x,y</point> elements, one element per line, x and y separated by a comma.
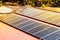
<point>57,9</point>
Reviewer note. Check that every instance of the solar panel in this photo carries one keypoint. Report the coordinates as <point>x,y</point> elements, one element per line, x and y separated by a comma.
<point>47,16</point>
<point>38,29</point>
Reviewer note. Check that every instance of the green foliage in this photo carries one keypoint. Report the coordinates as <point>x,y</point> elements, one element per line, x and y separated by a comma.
<point>41,3</point>
<point>51,3</point>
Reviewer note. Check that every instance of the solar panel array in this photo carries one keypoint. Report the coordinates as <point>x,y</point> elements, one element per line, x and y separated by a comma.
<point>38,29</point>
<point>44,15</point>
<point>41,30</point>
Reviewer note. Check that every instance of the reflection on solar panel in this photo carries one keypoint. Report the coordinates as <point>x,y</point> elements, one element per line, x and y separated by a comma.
<point>38,29</point>
<point>44,15</point>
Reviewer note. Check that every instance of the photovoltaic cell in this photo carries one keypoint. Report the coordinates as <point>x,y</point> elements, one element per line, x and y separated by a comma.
<point>46,32</point>
<point>54,36</point>
<point>38,29</point>
<point>25,24</point>
<point>31,26</point>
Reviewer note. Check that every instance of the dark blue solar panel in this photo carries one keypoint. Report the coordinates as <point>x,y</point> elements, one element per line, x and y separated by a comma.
<point>33,27</point>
